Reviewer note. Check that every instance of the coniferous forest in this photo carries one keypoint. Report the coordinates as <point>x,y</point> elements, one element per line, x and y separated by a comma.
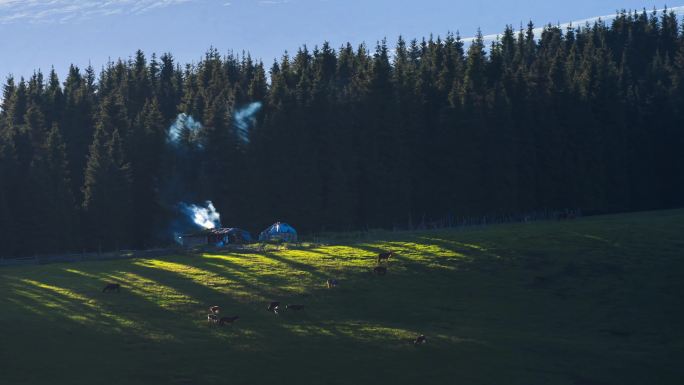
<point>391,135</point>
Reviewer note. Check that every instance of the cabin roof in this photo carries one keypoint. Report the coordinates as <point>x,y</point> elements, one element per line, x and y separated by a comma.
<point>219,231</point>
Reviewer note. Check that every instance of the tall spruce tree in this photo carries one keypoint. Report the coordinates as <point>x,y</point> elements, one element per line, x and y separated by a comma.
<point>53,207</point>
<point>106,187</point>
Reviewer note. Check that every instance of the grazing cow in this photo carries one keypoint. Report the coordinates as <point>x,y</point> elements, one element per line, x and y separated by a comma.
<point>227,320</point>
<point>380,270</point>
<point>331,283</point>
<point>294,307</point>
<point>385,256</point>
<point>421,339</point>
<point>214,309</point>
<point>212,318</point>
<point>274,307</point>
<point>112,287</point>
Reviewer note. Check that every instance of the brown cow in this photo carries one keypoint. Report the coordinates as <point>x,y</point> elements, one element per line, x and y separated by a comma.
<point>385,256</point>
<point>214,309</point>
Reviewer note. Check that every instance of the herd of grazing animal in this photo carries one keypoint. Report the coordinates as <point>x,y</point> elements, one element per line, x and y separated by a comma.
<point>274,307</point>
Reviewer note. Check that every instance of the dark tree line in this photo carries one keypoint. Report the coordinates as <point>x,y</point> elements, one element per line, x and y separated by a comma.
<point>588,118</point>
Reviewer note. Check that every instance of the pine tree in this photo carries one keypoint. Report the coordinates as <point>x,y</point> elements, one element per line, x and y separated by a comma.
<point>169,95</point>
<point>8,91</point>
<point>106,187</point>
<point>54,100</point>
<point>9,191</point>
<point>52,203</point>
<point>147,145</point>
<point>17,105</point>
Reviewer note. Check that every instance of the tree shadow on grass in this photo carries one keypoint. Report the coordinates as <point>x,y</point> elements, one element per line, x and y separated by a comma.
<point>341,323</point>
<point>189,314</point>
<point>260,287</point>
<point>297,265</point>
<point>57,303</point>
<point>134,311</point>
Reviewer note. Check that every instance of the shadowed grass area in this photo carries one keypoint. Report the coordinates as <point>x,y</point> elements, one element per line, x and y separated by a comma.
<point>591,301</point>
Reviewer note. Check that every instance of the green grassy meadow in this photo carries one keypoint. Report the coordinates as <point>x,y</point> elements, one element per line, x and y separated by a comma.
<point>592,301</point>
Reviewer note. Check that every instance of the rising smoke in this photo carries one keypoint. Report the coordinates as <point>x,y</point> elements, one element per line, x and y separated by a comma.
<point>185,128</point>
<point>184,131</point>
<point>203,216</point>
<point>245,118</point>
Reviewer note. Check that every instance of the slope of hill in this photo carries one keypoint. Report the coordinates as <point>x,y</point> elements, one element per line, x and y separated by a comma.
<point>590,301</point>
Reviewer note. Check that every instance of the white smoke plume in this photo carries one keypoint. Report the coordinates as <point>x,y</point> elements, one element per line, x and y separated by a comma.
<point>204,216</point>
<point>245,118</point>
<point>184,126</point>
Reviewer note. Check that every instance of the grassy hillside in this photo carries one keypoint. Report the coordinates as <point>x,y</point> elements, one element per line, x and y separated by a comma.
<point>591,301</point>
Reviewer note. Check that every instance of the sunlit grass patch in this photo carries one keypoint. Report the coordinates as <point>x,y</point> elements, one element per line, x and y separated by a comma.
<point>162,295</point>
<point>307,330</point>
<point>375,333</point>
<point>77,307</point>
<point>203,277</point>
<point>82,273</point>
<point>69,294</point>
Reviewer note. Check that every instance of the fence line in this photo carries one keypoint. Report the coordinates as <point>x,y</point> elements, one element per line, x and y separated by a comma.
<point>452,222</point>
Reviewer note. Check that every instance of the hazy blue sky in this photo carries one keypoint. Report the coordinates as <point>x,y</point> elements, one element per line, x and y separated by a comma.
<point>41,33</point>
